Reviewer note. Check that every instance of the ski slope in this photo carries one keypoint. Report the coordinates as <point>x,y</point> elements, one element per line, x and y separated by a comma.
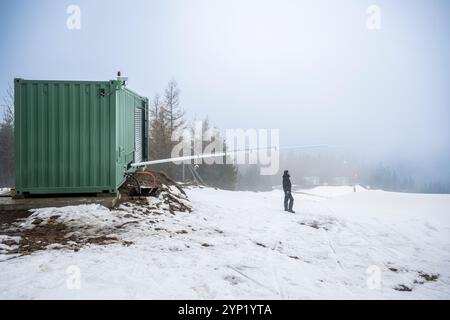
<point>240,245</point>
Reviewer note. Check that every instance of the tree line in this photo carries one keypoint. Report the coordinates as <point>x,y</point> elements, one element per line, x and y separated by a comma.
<point>166,117</point>
<point>7,140</point>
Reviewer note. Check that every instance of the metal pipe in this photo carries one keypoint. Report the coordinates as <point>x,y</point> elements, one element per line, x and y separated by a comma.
<point>221,154</point>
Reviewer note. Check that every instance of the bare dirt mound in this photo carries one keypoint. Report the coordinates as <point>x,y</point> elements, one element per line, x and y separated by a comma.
<point>77,226</point>
<point>169,191</point>
<point>54,235</point>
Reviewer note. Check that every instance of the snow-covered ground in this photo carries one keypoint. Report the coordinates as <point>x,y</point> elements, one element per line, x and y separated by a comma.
<point>338,244</point>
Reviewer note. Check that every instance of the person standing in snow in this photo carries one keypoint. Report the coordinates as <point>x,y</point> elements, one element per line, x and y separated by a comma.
<point>287,186</point>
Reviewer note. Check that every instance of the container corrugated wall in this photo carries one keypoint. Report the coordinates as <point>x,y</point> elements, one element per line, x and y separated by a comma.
<point>67,136</point>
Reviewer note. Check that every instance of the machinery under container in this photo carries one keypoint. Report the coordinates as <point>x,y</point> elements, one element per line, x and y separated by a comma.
<point>76,136</point>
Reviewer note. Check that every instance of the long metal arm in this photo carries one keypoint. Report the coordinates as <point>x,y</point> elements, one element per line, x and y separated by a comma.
<point>222,154</point>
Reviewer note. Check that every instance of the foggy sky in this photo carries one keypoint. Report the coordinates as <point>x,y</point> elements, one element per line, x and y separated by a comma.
<point>310,68</point>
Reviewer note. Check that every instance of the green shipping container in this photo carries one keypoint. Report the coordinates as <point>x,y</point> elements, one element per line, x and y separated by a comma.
<point>76,136</point>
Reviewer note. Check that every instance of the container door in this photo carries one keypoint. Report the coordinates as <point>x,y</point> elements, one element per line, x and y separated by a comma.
<point>138,129</point>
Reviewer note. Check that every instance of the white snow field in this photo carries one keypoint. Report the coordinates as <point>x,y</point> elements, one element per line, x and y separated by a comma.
<point>242,245</point>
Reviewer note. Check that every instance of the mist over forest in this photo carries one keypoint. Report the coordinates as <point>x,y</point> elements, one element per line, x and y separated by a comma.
<point>322,168</point>
<point>331,165</point>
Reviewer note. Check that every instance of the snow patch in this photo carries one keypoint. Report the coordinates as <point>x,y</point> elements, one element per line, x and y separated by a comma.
<point>93,215</point>
<point>242,245</point>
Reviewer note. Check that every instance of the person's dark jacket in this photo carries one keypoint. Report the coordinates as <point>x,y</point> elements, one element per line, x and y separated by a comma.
<point>286,182</point>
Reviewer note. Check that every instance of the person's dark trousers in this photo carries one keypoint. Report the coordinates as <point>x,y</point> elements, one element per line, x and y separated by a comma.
<point>288,198</point>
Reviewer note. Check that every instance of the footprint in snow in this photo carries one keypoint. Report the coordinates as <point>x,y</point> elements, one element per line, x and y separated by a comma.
<point>233,280</point>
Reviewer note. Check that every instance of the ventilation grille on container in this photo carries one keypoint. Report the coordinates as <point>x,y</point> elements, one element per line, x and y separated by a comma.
<point>138,134</point>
